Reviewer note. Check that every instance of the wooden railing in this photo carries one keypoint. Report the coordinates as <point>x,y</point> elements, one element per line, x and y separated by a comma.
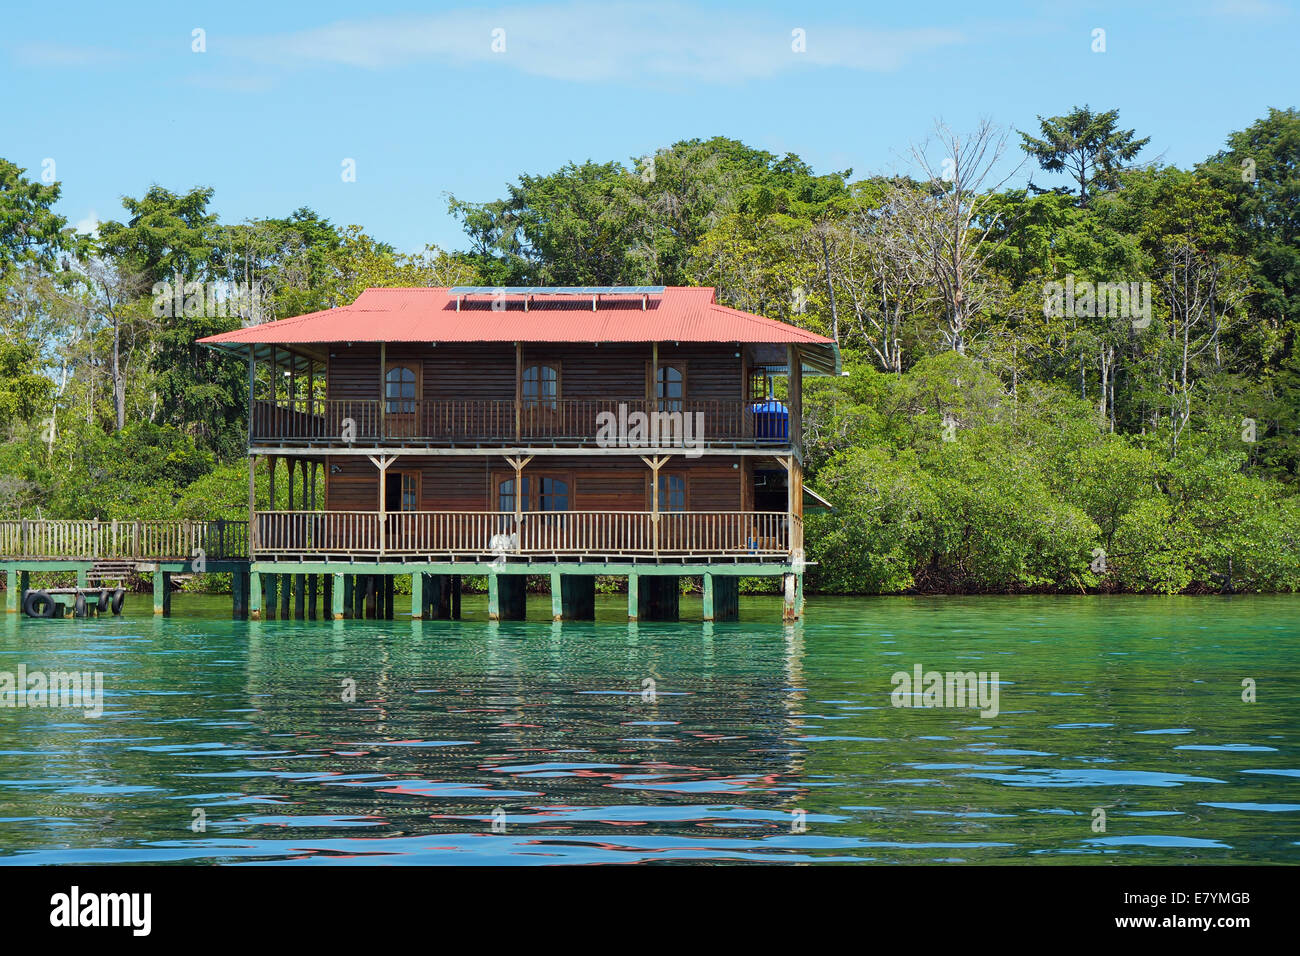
<point>490,534</point>
<point>141,540</point>
<point>710,422</point>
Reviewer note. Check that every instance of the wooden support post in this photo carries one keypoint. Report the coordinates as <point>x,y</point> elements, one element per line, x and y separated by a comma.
<point>417,595</point>
<point>299,586</point>
<point>557,597</point>
<point>252,502</point>
<point>286,596</point>
<point>494,597</point>
<point>652,386</point>
<point>272,596</point>
<point>12,596</point>
<point>518,463</point>
<point>655,463</point>
<point>327,596</point>
<point>794,400</point>
<point>633,596</point>
<point>788,602</point>
<point>340,591</point>
<point>455,597</point>
<point>239,595</point>
<point>252,397</point>
<point>349,601</point>
<point>390,590</point>
<point>255,595</point>
<point>798,597</point>
<point>708,596</point>
<point>371,596</point>
<point>382,463</point>
<point>159,587</point>
<point>311,597</point>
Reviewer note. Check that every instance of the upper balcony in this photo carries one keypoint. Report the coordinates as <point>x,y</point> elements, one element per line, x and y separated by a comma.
<point>471,367</point>
<point>633,423</point>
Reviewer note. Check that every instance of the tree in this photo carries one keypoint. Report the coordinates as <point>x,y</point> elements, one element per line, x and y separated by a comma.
<point>29,231</point>
<point>946,224</point>
<point>1085,145</point>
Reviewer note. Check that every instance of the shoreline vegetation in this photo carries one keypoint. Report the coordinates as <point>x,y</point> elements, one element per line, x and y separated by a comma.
<point>1090,385</point>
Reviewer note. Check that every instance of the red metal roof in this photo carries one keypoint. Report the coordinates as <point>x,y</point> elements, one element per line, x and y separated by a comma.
<point>680,314</point>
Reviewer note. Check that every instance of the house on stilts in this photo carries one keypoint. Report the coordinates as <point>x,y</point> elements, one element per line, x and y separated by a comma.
<point>637,431</point>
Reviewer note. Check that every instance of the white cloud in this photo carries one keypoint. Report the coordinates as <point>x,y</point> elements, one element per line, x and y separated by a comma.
<point>585,41</point>
<point>56,54</point>
<point>89,224</point>
<point>1249,9</point>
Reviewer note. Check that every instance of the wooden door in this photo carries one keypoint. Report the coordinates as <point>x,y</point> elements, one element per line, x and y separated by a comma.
<point>402,400</point>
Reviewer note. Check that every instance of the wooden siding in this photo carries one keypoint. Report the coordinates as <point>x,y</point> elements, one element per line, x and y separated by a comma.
<point>595,483</point>
<point>488,371</point>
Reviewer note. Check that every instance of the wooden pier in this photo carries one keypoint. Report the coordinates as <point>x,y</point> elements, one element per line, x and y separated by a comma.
<point>315,567</point>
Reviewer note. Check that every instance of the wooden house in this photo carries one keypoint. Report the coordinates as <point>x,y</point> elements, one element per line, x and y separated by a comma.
<point>644,431</point>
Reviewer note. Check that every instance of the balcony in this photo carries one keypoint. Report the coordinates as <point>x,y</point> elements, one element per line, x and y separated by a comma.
<point>704,423</point>
<point>490,536</point>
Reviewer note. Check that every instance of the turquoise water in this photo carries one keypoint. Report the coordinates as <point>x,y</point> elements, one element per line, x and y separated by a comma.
<point>534,743</point>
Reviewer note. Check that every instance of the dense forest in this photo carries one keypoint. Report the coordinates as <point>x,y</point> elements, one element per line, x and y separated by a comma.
<point>1092,383</point>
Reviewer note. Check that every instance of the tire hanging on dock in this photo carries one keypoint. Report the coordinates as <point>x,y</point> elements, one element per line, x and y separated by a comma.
<point>118,597</point>
<point>102,602</point>
<point>79,607</point>
<point>38,604</point>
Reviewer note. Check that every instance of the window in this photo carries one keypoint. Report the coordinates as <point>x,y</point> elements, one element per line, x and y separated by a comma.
<point>400,390</point>
<point>410,492</point>
<point>506,503</point>
<point>672,492</point>
<point>669,389</point>
<point>506,495</point>
<point>541,385</point>
<point>554,495</point>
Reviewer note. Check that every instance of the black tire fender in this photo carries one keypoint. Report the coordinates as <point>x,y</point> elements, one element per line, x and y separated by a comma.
<point>38,604</point>
<point>118,597</point>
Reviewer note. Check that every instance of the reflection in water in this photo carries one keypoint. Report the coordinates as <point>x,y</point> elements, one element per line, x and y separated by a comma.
<point>373,741</point>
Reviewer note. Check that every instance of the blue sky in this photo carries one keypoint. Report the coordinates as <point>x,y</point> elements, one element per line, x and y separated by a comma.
<point>415,94</point>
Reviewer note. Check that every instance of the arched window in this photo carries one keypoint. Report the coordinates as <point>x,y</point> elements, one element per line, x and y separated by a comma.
<point>400,390</point>
<point>672,492</point>
<point>669,389</point>
<point>541,385</point>
<point>506,495</point>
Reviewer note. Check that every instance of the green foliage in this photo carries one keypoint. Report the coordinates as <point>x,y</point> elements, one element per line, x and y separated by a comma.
<point>1035,450</point>
<point>1085,145</point>
<point>29,231</point>
<point>1031,493</point>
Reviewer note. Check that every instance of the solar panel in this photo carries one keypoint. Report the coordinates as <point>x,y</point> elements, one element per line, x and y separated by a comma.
<point>556,290</point>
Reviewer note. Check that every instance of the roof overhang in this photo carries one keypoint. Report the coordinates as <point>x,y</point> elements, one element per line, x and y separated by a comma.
<point>815,502</point>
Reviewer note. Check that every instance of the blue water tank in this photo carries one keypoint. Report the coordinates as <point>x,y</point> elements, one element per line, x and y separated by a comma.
<point>771,421</point>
